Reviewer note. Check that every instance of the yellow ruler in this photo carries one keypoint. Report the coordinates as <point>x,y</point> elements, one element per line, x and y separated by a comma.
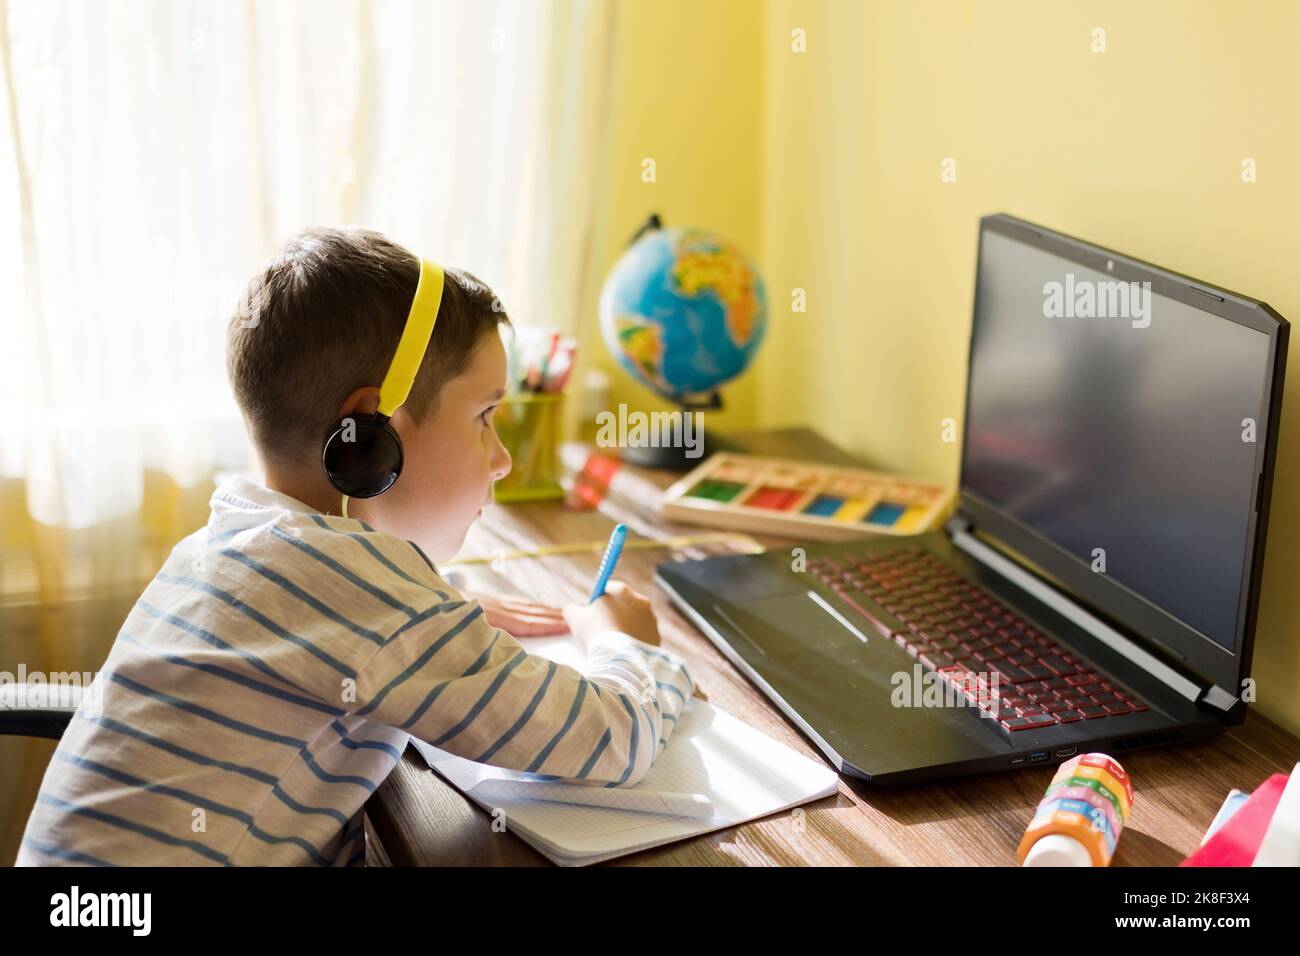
<point>749,546</point>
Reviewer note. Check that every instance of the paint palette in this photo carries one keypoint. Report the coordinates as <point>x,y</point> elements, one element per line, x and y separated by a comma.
<point>820,502</point>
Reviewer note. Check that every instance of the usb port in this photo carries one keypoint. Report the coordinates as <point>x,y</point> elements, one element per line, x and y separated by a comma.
<point>1017,760</point>
<point>1067,751</point>
<point>1038,756</point>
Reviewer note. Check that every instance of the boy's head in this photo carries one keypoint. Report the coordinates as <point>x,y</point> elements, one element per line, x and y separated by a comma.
<point>310,343</point>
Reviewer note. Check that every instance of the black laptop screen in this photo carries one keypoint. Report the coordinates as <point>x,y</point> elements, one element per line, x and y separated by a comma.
<point>1118,424</point>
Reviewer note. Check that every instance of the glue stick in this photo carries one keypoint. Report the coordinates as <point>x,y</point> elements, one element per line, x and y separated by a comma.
<point>1080,817</point>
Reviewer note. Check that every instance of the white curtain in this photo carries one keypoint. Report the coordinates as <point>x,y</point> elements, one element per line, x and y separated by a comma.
<point>153,153</point>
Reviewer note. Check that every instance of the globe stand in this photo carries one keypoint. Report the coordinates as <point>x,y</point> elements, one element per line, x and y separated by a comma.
<point>674,457</point>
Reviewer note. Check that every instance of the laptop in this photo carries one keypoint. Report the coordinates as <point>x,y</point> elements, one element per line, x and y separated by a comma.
<point>1097,586</point>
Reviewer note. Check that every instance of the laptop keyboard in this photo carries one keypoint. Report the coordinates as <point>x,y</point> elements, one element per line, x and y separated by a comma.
<point>958,630</point>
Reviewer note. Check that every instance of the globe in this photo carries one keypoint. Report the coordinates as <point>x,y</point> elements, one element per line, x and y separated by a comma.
<point>683,311</point>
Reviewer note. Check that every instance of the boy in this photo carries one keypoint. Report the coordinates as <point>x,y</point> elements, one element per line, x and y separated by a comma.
<point>266,681</point>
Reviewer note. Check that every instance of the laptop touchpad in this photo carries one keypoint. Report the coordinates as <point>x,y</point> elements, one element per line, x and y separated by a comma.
<point>791,624</point>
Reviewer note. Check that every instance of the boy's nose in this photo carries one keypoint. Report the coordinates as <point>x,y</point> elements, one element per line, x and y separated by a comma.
<point>501,463</point>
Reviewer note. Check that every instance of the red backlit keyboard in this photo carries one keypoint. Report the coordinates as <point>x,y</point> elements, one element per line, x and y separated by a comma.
<point>958,630</point>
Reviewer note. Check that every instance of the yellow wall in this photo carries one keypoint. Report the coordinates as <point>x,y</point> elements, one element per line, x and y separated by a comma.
<point>686,93</point>
<point>1138,148</point>
<point>825,166</point>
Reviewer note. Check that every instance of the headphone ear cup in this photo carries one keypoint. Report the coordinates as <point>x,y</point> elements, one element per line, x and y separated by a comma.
<point>362,457</point>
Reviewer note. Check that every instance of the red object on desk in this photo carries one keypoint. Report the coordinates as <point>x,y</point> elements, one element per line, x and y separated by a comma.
<point>591,484</point>
<point>1238,840</point>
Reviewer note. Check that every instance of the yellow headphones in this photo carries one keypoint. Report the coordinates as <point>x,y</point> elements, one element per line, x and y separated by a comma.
<point>363,455</point>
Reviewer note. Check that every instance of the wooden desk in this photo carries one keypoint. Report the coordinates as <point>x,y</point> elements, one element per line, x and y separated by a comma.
<point>422,820</point>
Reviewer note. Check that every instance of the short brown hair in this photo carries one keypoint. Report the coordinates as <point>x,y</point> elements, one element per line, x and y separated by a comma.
<point>323,318</point>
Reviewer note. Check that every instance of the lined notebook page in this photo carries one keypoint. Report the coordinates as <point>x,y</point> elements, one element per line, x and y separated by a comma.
<point>745,773</point>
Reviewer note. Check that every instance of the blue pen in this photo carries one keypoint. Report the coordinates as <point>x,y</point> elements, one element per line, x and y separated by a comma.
<point>612,551</point>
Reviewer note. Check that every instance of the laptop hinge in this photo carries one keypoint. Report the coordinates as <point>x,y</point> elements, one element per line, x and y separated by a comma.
<point>1233,709</point>
<point>1058,602</point>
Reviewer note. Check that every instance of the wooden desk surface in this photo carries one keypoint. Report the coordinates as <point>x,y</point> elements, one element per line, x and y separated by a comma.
<point>422,820</point>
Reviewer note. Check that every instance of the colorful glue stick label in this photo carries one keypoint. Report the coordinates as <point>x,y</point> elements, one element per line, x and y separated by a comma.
<point>1111,766</point>
<point>1092,783</point>
<point>1089,799</point>
<point>1072,825</point>
<point>1086,815</point>
<point>1086,794</point>
<point>1106,780</point>
<point>1097,773</point>
<point>1092,816</point>
<point>1077,825</point>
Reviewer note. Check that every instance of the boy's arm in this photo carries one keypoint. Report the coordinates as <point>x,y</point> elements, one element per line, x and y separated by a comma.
<point>453,680</point>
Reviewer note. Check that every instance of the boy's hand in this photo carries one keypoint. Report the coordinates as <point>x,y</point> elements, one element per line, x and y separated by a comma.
<point>521,618</point>
<point>619,609</point>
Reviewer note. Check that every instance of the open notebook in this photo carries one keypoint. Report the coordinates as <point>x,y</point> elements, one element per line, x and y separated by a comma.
<point>714,772</point>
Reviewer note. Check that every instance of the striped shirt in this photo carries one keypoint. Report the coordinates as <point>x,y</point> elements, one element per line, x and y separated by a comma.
<point>266,682</point>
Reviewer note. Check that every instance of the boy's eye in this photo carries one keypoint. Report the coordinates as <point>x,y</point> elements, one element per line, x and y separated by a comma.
<point>487,414</point>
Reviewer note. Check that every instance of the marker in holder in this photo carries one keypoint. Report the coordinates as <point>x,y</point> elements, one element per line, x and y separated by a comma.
<point>1079,819</point>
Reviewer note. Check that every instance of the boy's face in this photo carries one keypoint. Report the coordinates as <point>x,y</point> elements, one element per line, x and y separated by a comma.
<point>449,461</point>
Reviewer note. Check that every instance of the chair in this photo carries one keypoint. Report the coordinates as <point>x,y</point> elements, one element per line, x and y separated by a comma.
<point>37,710</point>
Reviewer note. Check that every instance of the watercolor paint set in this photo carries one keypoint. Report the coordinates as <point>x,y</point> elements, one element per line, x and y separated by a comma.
<point>799,499</point>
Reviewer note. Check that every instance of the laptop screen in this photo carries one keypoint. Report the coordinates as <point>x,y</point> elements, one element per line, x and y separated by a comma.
<point>1120,425</point>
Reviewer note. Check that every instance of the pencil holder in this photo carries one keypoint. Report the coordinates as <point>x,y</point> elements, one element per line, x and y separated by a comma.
<point>529,424</point>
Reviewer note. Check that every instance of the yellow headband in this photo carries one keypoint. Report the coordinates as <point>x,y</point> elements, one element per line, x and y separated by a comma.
<point>415,339</point>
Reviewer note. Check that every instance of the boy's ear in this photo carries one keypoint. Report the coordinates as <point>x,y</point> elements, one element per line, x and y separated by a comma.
<point>363,401</point>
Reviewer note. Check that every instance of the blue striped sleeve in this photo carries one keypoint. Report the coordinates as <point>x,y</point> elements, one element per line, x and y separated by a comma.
<point>471,689</point>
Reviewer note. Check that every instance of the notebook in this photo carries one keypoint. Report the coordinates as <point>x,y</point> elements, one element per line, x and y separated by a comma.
<point>716,769</point>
